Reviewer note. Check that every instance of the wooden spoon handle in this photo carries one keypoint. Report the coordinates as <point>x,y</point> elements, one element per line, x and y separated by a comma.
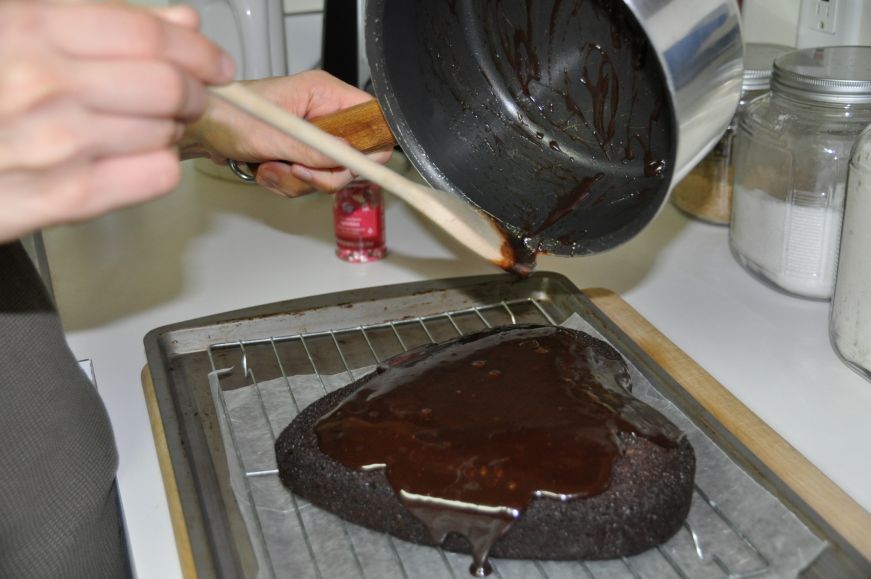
<point>363,126</point>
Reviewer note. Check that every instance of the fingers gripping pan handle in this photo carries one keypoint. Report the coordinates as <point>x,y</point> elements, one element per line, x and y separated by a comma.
<point>362,126</point>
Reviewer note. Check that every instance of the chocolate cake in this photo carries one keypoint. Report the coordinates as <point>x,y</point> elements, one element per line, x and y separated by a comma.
<point>518,442</point>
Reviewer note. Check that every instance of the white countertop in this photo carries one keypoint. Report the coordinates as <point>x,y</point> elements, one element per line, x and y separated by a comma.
<point>214,245</point>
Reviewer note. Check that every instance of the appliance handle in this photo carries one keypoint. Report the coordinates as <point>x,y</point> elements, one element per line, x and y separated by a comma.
<point>252,18</point>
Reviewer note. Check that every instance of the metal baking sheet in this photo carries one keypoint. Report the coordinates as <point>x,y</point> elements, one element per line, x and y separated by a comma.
<point>228,384</point>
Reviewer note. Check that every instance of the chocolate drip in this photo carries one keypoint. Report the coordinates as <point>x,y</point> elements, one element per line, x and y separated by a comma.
<point>570,201</point>
<point>472,430</point>
<point>480,526</point>
<point>518,258</point>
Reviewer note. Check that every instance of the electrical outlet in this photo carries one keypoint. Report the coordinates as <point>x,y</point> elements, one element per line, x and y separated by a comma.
<point>834,22</point>
<point>825,18</point>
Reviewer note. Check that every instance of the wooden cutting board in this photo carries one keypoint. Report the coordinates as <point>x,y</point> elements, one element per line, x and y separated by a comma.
<point>840,511</point>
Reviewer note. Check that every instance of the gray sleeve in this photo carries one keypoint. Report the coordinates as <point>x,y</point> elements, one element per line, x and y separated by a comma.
<point>59,510</point>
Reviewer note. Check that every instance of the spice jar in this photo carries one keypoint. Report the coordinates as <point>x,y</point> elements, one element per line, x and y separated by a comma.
<point>358,220</point>
<point>706,192</point>
<point>850,322</point>
<point>792,149</point>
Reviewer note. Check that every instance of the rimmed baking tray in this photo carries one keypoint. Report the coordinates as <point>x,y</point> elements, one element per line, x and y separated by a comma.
<point>224,492</point>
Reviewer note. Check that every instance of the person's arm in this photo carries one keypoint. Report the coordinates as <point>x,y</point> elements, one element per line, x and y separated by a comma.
<point>226,133</point>
<point>93,99</point>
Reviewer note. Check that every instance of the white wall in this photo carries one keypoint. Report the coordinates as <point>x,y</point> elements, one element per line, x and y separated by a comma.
<point>295,6</point>
<point>771,21</point>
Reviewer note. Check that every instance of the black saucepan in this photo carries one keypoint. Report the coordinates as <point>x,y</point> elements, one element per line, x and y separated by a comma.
<point>568,121</point>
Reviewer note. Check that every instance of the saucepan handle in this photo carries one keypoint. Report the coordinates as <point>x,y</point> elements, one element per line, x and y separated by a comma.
<point>363,126</point>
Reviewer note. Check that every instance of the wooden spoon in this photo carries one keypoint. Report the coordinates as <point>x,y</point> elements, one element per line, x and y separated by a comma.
<point>465,223</point>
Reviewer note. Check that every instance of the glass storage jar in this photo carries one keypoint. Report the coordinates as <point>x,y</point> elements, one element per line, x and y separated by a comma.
<point>850,322</point>
<point>791,154</point>
<point>706,192</point>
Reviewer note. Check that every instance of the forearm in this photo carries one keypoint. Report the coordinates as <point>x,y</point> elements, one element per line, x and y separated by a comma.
<point>190,146</point>
<point>214,135</point>
<point>194,142</point>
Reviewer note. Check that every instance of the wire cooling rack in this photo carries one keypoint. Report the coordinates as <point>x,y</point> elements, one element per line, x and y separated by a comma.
<point>712,543</point>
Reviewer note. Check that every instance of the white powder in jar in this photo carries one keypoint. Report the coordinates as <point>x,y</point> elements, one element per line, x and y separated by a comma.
<point>794,245</point>
<point>851,304</point>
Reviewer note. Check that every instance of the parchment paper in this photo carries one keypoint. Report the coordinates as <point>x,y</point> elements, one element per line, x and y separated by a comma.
<point>295,539</point>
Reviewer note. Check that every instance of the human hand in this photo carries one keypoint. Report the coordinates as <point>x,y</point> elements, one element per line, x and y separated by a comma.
<point>286,166</point>
<point>93,99</point>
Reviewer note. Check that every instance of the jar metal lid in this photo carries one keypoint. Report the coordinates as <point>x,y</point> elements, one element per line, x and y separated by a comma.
<point>758,60</point>
<point>832,74</point>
